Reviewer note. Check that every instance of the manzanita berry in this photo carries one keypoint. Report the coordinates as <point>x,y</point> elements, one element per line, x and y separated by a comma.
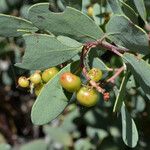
<point>35,78</point>
<point>87,97</point>
<point>70,82</point>
<point>95,74</point>
<point>38,88</point>
<point>90,11</point>
<point>49,73</point>
<point>23,82</point>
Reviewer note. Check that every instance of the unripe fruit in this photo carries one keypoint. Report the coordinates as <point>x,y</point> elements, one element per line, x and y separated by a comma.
<point>49,73</point>
<point>90,11</point>
<point>23,82</point>
<point>70,82</point>
<point>95,74</point>
<point>38,89</point>
<point>35,78</point>
<point>87,97</point>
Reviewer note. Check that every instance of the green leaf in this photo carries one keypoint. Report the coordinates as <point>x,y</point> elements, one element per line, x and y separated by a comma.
<point>140,6</point>
<point>35,145</point>
<point>3,6</point>
<point>129,131</point>
<point>131,83</point>
<point>59,135</point>
<point>141,71</point>
<point>140,103</point>
<point>50,102</point>
<point>94,132</point>
<point>43,51</point>
<point>76,4</point>
<point>71,22</point>
<point>129,12</point>
<point>83,144</point>
<point>11,26</point>
<point>5,147</point>
<point>98,63</point>
<point>115,6</point>
<point>121,94</point>
<point>68,123</point>
<point>128,34</point>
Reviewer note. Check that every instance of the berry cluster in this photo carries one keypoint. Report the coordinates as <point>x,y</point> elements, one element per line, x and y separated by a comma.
<point>86,95</point>
<point>38,79</point>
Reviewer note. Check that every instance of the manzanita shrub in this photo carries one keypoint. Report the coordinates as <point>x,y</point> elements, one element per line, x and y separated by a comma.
<point>73,42</point>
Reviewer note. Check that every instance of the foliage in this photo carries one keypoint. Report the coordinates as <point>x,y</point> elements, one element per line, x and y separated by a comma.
<point>113,38</point>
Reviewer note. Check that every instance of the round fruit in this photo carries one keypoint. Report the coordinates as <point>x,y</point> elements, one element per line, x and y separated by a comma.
<point>70,82</point>
<point>87,97</point>
<point>23,82</point>
<point>38,89</point>
<point>49,73</point>
<point>90,11</point>
<point>95,74</point>
<point>35,78</point>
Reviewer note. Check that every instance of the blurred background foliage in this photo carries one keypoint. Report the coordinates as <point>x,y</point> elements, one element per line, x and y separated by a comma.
<point>77,128</point>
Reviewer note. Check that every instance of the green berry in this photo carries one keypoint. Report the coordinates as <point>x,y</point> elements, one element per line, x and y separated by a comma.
<point>49,73</point>
<point>23,82</point>
<point>95,74</point>
<point>87,97</point>
<point>35,78</point>
<point>38,89</point>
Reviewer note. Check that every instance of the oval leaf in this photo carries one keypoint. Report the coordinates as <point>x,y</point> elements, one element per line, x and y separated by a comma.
<point>71,22</point>
<point>50,102</point>
<point>5,147</point>
<point>141,71</point>
<point>35,145</point>
<point>115,6</point>
<point>98,63</point>
<point>140,6</point>
<point>43,51</point>
<point>59,135</point>
<point>129,131</point>
<point>128,34</point>
<point>11,26</point>
<point>121,94</point>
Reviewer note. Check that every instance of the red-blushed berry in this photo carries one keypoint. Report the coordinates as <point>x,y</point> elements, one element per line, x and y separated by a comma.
<point>70,82</point>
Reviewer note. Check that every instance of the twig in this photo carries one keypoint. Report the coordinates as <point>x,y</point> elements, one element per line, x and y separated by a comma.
<point>93,83</point>
<point>118,72</point>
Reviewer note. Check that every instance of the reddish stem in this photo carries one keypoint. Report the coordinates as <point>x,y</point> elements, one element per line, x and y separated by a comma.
<point>118,72</point>
<point>92,83</point>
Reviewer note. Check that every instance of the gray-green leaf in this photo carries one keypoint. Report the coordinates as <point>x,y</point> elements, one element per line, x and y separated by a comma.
<point>59,135</point>
<point>11,26</point>
<point>141,71</point>
<point>98,63</point>
<point>140,6</point>
<point>121,94</point>
<point>128,34</point>
<point>50,102</point>
<point>115,6</point>
<point>4,146</point>
<point>35,145</point>
<point>43,51</point>
<point>71,22</point>
<point>129,130</point>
